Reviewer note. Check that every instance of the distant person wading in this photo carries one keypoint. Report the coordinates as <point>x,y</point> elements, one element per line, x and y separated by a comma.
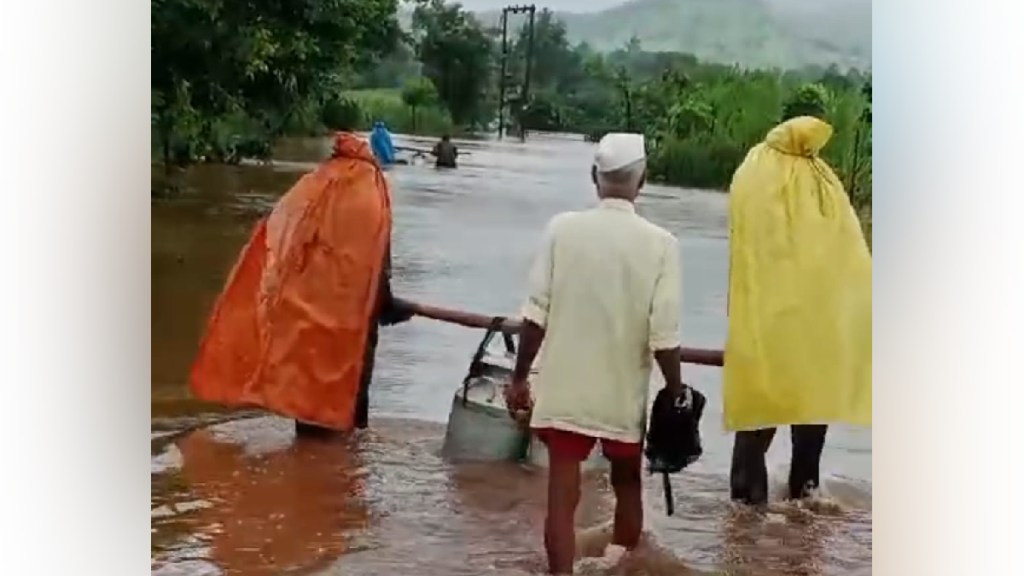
<point>445,153</point>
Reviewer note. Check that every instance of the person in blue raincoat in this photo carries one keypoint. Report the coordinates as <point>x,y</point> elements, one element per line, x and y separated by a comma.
<point>381,144</point>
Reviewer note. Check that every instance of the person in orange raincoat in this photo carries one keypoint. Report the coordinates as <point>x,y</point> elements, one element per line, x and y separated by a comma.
<point>295,329</point>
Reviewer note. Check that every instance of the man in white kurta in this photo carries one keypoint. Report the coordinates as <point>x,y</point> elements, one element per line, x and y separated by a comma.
<point>604,299</point>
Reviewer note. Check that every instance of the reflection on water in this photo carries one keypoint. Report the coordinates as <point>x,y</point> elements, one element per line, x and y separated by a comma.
<point>244,497</point>
<point>264,509</point>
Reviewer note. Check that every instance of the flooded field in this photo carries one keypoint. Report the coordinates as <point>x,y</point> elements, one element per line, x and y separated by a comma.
<point>236,494</point>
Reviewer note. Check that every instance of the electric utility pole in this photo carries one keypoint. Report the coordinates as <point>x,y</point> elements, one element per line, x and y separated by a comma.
<point>503,83</point>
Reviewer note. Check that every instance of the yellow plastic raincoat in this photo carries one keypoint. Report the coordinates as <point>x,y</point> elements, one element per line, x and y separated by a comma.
<point>799,343</point>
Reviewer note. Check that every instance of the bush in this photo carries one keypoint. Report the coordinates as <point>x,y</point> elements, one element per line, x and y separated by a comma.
<point>387,106</point>
<point>418,94</point>
<point>342,114</point>
<point>808,100</point>
<point>695,163</point>
<point>306,120</point>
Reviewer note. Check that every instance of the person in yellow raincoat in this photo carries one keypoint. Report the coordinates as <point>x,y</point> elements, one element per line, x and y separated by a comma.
<point>798,351</point>
<point>295,329</point>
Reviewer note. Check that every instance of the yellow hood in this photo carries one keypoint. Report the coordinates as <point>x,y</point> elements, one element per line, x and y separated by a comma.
<point>800,136</point>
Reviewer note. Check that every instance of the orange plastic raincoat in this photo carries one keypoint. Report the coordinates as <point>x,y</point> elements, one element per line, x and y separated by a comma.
<point>291,329</point>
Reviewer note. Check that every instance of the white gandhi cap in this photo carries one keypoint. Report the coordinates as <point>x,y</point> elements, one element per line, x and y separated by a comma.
<point>618,150</point>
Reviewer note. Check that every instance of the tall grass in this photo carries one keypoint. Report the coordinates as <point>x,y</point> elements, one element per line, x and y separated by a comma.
<point>696,162</point>
<point>704,131</point>
<point>386,105</point>
<point>699,136</point>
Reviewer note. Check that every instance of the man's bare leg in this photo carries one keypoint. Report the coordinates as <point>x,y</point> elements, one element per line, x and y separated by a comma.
<point>560,524</point>
<point>629,510</point>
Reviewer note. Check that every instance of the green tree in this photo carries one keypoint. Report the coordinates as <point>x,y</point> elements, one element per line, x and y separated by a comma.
<point>554,64</point>
<point>224,68</point>
<point>457,55</point>
<point>691,118</point>
<point>558,74</point>
<point>416,94</point>
<point>809,100</point>
<point>341,114</point>
<point>391,70</point>
<point>859,184</point>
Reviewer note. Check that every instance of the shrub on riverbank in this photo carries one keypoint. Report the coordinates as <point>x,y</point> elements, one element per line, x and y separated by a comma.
<point>706,129</point>
<point>387,105</point>
<point>710,165</point>
<point>361,108</point>
<point>695,162</point>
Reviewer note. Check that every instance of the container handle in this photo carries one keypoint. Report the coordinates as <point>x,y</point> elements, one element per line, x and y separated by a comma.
<point>475,364</point>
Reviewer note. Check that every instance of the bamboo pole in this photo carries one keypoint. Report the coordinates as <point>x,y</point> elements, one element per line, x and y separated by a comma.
<point>702,356</point>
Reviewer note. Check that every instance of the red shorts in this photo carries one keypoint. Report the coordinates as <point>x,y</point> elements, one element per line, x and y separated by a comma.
<point>575,446</point>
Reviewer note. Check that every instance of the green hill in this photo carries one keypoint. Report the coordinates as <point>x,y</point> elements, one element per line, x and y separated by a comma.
<point>752,33</point>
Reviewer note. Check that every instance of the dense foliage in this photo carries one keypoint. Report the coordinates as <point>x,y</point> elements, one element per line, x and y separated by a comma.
<point>228,77</point>
<point>457,54</point>
<point>699,118</point>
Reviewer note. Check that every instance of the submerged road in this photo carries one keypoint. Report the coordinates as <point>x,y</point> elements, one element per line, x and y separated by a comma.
<point>243,498</point>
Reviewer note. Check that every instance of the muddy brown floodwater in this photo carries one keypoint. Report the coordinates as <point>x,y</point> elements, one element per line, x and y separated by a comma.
<point>236,494</point>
